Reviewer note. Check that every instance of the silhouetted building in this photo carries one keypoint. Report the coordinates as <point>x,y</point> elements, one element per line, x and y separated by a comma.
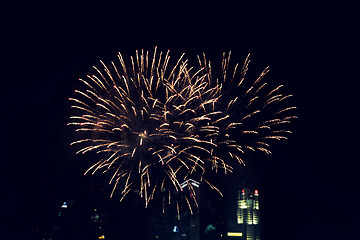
<point>194,219</point>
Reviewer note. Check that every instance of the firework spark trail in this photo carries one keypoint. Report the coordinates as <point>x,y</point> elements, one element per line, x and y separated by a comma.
<point>249,120</point>
<point>155,126</point>
<point>144,118</point>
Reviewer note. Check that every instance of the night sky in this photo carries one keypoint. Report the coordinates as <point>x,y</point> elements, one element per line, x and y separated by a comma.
<point>309,184</point>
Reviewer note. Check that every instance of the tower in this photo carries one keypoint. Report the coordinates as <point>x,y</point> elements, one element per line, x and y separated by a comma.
<point>194,219</point>
<point>248,214</point>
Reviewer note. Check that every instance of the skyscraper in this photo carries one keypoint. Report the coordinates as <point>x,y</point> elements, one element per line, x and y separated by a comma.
<point>248,214</point>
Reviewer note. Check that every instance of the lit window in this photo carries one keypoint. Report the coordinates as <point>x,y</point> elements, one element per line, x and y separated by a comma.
<point>234,234</point>
<point>242,204</point>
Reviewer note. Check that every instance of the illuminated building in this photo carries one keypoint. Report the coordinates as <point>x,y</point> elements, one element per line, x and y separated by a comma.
<point>248,214</point>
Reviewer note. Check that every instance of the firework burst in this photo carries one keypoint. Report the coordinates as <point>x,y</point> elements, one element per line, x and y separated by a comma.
<point>156,124</point>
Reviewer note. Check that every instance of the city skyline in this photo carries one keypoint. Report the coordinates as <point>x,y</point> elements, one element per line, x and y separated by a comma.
<point>93,215</point>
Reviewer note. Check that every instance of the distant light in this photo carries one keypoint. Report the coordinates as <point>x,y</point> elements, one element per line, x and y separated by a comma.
<point>256,192</point>
<point>210,228</point>
<point>189,181</point>
<point>234,234</point>
<point>243,191</point>
<point>102,237</point>
<point>196,184</point>
<point>175,229</point>
<point>64,205</point>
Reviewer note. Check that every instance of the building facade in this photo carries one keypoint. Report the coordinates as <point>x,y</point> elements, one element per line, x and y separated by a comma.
<point>248,214</point>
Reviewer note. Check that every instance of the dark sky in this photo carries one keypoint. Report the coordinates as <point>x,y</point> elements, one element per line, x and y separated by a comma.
<point>309,183</point>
